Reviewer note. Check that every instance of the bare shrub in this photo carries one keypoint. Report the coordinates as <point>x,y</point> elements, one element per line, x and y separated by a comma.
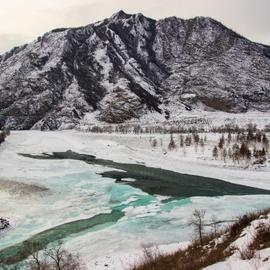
<point>247,254</point>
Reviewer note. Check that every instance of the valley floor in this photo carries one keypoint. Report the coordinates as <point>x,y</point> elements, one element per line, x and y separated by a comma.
<point>127,148</point>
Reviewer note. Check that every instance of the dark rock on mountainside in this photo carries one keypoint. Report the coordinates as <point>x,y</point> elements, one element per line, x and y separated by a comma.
<point>128,66</point>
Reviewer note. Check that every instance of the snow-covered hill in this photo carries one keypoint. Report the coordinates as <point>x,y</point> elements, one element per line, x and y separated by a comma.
<point>126,66</point>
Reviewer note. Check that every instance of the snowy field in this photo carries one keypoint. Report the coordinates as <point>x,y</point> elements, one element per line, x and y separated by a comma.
<point>41,194</point>
<point>195,119</point>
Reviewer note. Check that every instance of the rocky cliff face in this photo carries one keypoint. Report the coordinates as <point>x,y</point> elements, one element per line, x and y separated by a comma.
<point>127,66</point>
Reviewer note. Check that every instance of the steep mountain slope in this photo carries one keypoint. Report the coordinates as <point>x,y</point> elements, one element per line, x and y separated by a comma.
<point>127,66</point>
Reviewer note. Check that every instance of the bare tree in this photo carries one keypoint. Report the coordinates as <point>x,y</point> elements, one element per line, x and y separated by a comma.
<point>154,143</point>
<point>235,154</point>
<point>214,225</point>
<point>172,144</point>
<point>188,140</point>
<point>181,141</point>
<point>61,259</point>
<point>221,142</point>
<point>197,221</point>
<point>224,154</point>
<point>229,137</point>
<point>215,152</point>
<point>202,145</point>
<point>53,258</point>
<point>196,138</point>
<point>265,142</point>
<point>36,261</point>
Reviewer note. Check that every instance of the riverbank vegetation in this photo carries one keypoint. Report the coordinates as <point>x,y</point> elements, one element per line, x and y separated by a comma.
<point>215,246</point>
<point>246,148</point>
<point>54,257</point>
<point>189,125</point>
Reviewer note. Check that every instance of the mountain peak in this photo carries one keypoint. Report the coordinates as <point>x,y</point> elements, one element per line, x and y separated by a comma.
<point>121,15</point>
<point>129,66</point>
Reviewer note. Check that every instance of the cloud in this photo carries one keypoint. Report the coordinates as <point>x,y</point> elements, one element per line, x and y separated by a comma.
<point>21,19</point>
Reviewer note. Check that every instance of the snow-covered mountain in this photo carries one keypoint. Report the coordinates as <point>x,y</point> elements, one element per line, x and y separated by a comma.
<point>128,66</point>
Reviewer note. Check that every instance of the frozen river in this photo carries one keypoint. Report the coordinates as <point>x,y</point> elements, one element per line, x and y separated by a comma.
<point>83,204</point>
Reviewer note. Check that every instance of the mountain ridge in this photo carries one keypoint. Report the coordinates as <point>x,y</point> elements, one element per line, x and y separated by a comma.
<point>128,66</point>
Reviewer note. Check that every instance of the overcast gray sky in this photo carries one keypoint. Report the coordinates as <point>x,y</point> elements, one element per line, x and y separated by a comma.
<point>23,20</point>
